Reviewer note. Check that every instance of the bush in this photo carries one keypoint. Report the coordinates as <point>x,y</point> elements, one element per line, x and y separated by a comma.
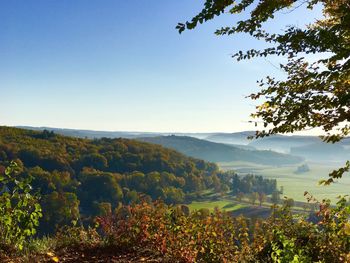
<point>215,237</point>
<point>19,209</point>
<point>74,237</point>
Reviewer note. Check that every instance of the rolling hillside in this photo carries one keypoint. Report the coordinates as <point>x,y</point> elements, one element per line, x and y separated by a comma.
<point>216,152</point>
<point>92,134</point>
<point>308,147</point>
<point>322,151</point>
<point>239,138</point>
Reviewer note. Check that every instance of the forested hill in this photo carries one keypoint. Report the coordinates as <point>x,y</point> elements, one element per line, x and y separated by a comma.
<point>217,152</point>
<point>57,152</point>
<point>84,177</point>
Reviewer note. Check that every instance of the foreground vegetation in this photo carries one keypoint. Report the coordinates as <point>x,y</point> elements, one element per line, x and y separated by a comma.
<point>155,232</point>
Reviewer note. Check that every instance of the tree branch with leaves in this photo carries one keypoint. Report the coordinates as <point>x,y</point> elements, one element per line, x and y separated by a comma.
<point>314,94</point>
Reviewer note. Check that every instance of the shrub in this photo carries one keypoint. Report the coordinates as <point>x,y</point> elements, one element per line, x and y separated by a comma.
<point>76,237</point>
<point>215,237</point>
<point>19,209</point>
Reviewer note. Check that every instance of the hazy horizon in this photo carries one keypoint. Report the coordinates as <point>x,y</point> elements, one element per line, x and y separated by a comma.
<point>304,133</point>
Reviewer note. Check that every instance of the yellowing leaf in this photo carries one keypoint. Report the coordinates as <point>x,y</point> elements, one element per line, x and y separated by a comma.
<point>347,228</point>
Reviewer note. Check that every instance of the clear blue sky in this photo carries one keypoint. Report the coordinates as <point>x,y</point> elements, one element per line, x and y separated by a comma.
<point>121,65</point>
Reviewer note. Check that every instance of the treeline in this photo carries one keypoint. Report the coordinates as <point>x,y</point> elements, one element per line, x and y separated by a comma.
<point>252,183</point>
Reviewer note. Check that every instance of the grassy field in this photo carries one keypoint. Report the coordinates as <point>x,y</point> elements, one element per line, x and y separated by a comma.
<point>244,207</point>
<point>296,184</point>
<point>224,204</point>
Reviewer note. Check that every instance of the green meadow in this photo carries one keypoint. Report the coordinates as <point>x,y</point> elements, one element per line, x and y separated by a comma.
<point>225,204</point>
<point>295,184</point>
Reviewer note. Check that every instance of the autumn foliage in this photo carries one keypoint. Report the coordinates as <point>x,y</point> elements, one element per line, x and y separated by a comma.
<point>218,237</point>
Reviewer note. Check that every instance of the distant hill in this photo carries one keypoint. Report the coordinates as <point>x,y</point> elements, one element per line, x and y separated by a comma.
<point>322,151</point>
<point>52,152</point>
<point>277,143</point>
<point>284,143</point>
<point>91,134</point>
<point>238,138</point>
<point>309,147</point>
<point>217,152</point>
<point>281,143</point>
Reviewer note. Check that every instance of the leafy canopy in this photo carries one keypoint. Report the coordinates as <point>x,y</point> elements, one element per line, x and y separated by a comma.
<point>313,95</point>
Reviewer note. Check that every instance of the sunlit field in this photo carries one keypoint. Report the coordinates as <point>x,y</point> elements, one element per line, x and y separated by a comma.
<point>296,184</point>
<point>225,204</point>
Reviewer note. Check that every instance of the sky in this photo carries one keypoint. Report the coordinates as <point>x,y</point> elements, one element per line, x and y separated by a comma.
<point>120,65</point>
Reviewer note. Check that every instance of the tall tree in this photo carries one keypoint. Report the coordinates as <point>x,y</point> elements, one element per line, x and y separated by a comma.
<point>262,198</point>
<point>313,95</point>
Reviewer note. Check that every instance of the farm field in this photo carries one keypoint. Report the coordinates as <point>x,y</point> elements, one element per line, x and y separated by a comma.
<point>243,207</point>
<point>294,184</point>
<point>225,204</point>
